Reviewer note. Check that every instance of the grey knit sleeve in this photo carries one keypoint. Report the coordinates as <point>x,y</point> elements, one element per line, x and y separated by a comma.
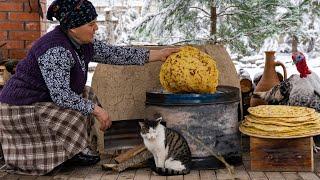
<point>55,65</point>
<point>118,55</point>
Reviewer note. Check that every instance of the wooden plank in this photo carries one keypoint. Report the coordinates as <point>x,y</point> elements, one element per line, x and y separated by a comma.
<point>274,175</point>
<point>127,175</point>
<point>207,175</point>
<point>95,173</point>
<point>80,173</point>
<point>257,175</point>
<point>76,178</point>
<point>193,175</point>
<point>308,176</point>
<point>27,177</point>
<point>64,173</point>
<point>10,177</point>
<point>44,178</point>
<point>180,177</point>
<point>223,174</point>
<point>281,154</point>
<point>110,175</point>
<point>240,173</point>
<point>291,176</point>
<point>154,176</point>
<point>143,174</point>
<point>2,174</point>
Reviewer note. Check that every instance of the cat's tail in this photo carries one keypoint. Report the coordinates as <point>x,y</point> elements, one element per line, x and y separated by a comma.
<point>170,172</point>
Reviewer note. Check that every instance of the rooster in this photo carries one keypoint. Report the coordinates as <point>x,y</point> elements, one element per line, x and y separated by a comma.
<point>300,61</point>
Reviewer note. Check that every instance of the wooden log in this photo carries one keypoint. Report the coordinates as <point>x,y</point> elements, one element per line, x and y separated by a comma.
<point>281,154</point>
<point>247,87</point>
<point>246,84</point>
<point>130,153</point>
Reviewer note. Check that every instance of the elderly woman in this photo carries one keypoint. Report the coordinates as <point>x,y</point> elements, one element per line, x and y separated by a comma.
<point>43,115</point>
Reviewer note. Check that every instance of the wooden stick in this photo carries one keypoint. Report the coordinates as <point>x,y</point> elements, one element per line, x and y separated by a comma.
<point>217,155</point>
<point>130,153</point>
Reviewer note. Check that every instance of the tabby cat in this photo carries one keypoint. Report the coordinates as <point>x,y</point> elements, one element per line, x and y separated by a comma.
<point>172,155</point>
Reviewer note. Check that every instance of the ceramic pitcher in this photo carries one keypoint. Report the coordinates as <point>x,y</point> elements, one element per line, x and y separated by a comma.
<point>269,77</point>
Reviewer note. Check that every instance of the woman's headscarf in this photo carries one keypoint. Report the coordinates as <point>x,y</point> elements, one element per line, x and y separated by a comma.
<point>72,13</point>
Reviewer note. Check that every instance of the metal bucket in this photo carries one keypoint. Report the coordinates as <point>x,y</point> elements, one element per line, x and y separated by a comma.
<point>212,118</point>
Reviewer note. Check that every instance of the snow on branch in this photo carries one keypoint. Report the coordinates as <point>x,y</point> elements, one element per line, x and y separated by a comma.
<point>164,12</point>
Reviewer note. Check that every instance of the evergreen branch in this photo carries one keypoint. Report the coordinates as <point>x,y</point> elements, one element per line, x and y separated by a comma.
<point>227,14</point>
<point>210,41</point>
<point>166,11</point>
<point>201,10</point>
<point>222,12</point>
<point>145,20</point>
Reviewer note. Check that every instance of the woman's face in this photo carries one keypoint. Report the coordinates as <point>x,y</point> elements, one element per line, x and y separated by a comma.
<point>85,33</point>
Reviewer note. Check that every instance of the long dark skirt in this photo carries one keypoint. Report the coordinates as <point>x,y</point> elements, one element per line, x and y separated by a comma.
<point>38,137</point>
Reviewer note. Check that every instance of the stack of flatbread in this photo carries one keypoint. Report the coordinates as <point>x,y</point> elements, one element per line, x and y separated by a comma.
<point>279,121</point>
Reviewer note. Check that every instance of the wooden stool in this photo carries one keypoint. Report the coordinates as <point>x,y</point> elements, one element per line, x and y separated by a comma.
<point>281,154</point>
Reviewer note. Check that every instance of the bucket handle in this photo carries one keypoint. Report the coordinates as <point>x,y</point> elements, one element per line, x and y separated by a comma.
<point>284,69</point>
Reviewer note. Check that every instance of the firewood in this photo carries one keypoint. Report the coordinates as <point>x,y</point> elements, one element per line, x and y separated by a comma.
<point>245,81</point>
<point>130,153</point>
<point>136,161</point>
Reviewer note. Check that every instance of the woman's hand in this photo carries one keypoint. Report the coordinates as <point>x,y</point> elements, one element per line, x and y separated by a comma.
<point>161,55</point>
<point>103,117</point>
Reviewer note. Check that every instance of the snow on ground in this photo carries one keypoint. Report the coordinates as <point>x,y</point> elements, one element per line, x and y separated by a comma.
<point>255,64</point>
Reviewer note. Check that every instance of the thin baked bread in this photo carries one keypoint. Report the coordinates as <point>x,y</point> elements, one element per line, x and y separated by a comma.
<point>279,121</point>
<point>189,70</point>
<point>280,111</point>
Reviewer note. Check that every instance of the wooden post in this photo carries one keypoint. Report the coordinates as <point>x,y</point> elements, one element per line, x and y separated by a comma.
<point>109,26</point>
<point>294,43</point>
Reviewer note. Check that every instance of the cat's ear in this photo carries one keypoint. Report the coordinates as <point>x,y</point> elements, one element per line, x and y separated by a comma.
<point>157,115</point>
<point>141,123</point>
<point>158,120</point>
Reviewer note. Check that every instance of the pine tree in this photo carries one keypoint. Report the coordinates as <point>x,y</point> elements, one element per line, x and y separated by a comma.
<point>243,25</point>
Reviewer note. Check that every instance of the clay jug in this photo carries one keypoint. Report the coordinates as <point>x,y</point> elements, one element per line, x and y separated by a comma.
<point>269,77</point>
